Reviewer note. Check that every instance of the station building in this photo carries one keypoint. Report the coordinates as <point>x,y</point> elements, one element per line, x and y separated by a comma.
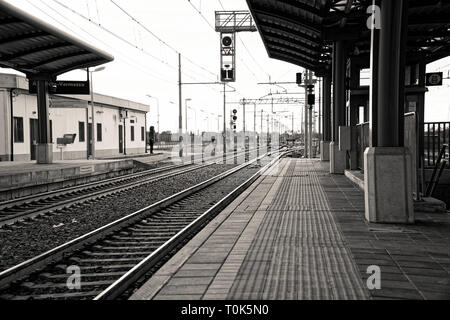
<point>120,124</point>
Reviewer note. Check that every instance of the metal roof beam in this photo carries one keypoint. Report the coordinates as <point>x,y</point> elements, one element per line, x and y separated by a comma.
<point>19,38</point>
<point>434,19</point>
<point>9,20</point>
<point>293,53</point>
<point>303,6</point>
<point>291,31</point>
<point>58,58</point>
<point>24,53</point>
<point>311,55</point>
<point>289,18</point>
<point>304,47</point>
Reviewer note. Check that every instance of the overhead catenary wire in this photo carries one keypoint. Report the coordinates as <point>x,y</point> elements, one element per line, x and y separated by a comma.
<point>162,41</point>
<point>126,60</point>
<point>165,43</point>
<point>130,43</point>
<point>121,39</point>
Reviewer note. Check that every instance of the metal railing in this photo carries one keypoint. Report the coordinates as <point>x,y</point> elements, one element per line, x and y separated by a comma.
<point>436,135</point>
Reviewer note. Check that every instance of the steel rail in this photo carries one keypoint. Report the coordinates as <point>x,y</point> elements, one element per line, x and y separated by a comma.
<point>41,261</point>
<point>122,284</point>
<point>108,190</point>
<point>27,199</point>
<point>10,219</point>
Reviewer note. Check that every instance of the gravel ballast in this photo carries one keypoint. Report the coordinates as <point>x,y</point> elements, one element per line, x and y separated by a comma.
<point>26,240</point>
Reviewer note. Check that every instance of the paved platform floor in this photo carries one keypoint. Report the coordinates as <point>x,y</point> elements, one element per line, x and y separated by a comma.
<point>300,233</point>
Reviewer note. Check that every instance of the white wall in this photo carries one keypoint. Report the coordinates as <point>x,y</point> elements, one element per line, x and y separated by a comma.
<point>65,121</point>
<point>24,106</point>
<point>133,147</point>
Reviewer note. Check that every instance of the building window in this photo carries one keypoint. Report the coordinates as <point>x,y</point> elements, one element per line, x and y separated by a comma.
<point>99,132</point>
<point>18,130</point>
<point>132,133</point>
<point>142,134</point>
<point>81,132</point>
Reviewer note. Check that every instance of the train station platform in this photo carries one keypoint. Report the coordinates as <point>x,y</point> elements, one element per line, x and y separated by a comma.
<point>299,233</point>
<point>24,178</point>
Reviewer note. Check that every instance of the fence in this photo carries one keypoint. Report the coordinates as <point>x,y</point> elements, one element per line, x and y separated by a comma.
<point>436,134</point>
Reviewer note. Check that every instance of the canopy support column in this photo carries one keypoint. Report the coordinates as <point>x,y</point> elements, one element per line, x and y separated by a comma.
<point>44,148</point>
<point>337,157</point>
<point>326,94</point>
<point>388,181</point>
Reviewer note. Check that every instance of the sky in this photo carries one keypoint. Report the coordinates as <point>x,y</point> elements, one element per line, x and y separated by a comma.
<point>145,35</point>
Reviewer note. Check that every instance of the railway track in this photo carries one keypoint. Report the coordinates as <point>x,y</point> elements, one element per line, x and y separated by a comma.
<point>54,202</point>
<point>113,257</point>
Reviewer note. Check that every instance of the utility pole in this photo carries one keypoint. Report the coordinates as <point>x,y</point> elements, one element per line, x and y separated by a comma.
<point>262,113</point>
<point>245,129</point>
<point>306,114</point>
<point>224,123</point>
<point>311,110</point>
<point>293,124</point>
<point>180,104</point>
<point>254,118</point>
<point>320,115</point>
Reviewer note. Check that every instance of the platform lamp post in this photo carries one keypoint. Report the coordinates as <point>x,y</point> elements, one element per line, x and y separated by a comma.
<point>99,69</point>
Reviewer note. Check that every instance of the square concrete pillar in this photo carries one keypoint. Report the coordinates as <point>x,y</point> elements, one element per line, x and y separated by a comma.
<point>337,159</point>
<point>44,153</point>
<point>388,185</point>
<point>324,151</point>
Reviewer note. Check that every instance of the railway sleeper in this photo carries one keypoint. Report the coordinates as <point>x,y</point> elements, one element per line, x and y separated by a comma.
<point>50,276</point>
<point>118,254</point>
<point>63,285</point>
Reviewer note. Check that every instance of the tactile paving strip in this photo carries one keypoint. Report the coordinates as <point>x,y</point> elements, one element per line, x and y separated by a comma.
<point>298,251</point>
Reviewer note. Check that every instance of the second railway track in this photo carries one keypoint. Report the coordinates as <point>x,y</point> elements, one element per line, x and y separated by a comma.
<point>37,205</point>
<point>111,258</point>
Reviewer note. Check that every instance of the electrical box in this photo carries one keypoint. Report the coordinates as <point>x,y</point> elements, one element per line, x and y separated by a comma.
<point>345,138</point>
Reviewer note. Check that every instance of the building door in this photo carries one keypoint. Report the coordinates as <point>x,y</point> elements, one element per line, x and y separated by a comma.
<point>120,139</point>
<point>34,132</point>
<point>89,137</point>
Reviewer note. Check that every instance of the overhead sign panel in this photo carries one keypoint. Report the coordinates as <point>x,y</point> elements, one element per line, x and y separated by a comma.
<point>63,87</point>
<point>434,79</point>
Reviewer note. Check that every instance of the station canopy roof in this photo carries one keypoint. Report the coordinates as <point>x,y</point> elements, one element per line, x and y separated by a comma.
<point>34,47</point>
<point>302,31</point>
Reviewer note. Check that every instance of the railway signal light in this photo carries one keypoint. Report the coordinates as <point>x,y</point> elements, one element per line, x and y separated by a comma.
<point>299,78</point>
<point>228,57</point>
<point>311,99</point>
<point>227,41</point>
